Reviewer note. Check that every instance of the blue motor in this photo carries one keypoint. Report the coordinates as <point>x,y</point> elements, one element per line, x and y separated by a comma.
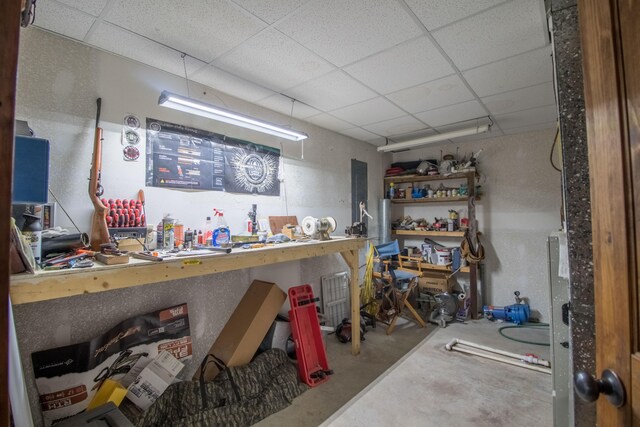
<point>517,313</point>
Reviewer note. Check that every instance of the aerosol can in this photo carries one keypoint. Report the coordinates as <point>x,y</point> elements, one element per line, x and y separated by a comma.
<point>517,313</point>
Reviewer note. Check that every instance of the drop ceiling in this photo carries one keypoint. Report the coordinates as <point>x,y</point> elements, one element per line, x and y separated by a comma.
<point>368,69</point>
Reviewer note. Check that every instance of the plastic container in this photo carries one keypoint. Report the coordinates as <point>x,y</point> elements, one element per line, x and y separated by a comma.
<point>207,232</point>
<point>222,234</point>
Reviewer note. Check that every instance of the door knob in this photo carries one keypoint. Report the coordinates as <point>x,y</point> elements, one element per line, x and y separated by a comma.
<point>589,388</point>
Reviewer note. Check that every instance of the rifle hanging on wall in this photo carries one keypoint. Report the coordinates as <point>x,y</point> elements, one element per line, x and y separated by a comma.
<point>99,231</point>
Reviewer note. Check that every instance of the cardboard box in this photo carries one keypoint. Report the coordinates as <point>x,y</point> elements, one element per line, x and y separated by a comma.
<point>246,328</point>
<point>435,283</point>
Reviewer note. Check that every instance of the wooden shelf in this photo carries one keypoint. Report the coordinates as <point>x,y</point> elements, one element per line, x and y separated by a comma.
<point>431,200</point>
<point>422,178</point>
<point>434,267</point>
<point>427,233</point>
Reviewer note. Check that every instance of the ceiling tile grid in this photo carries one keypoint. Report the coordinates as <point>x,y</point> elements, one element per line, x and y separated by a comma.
<point>368,69</point>
<point>475,41</point>
<point>437,13</point>
<point>331,91</point>
<point>345,31</point>
<point>428,96</point>
<point>405,65</point>
<point>56,17</point>
<point>205,29</point>
<point>124,43</point>
<point>273,60</point>
<point>272,10</point>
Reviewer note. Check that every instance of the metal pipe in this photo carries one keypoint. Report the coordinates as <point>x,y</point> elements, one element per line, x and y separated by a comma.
<point>509,358</point>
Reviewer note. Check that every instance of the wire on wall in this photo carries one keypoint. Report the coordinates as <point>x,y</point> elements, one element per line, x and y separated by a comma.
<point>64,210</point>
<point>553,147</point>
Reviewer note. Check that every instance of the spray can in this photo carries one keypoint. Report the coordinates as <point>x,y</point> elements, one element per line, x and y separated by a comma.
<point>32,231</point>
<point>168,231</point>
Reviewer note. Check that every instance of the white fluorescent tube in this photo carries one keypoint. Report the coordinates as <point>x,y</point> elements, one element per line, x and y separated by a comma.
<point>434,138</point>
<point>188,105</point>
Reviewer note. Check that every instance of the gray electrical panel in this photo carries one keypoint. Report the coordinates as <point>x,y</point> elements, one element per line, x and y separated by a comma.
<point>560,355</point>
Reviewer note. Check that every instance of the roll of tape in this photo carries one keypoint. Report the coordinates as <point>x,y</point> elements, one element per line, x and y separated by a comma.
<point>462,297</point>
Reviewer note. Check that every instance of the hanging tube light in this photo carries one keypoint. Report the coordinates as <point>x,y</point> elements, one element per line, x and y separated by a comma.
<point>188,105</point>
<point>406,145</point>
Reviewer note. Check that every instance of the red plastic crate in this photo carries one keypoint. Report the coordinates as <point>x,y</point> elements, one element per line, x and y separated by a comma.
<point>313,367</point>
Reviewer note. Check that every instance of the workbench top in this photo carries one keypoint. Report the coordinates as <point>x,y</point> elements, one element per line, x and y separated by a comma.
<point>47,285</point>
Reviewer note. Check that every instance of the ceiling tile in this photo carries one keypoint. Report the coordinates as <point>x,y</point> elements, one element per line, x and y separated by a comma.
<point>63,20</point>
<point>331,91</point>
<point>93,7</point>
<point>437,13</point>
<point>410,64</point>
<point>438,93</point>
<point>398,126</point>
<point>282,104</point>
<point>359,133</point>
<point>230,84</point>
<point>122,42</point>
<point>273,60</point>
<point>510,29</point>
<point>370,111</point>
<point>328,121</point>
<point>513,73</point>
<point>525,118</point>
<point>531,128</point>
<point>204,29</point>
<point>272,10</point>
<point>521,99</point>
<point>346,31</point>
<point>452,113</point>
<point>377,141</point>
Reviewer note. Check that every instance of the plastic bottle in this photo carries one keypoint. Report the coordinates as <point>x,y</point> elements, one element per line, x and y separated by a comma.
<point>32,230</point>
<point>248,225</point>
<point>207,233</point>
<point>222,234</point>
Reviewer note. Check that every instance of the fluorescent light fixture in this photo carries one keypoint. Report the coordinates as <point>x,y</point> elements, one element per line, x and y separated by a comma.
<point>188,105</point>
<point>434,138</point>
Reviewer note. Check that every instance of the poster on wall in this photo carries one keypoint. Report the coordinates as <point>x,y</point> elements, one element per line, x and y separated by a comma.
<point>188,158</point>
<point>251,168</point>
<point>183,157</point>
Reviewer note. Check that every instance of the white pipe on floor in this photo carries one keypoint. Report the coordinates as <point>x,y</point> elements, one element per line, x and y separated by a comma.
<point>529,359</point>
<point>509,358</point>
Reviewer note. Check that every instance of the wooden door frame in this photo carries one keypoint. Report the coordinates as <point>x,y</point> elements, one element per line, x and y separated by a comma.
<point>9,43</point>
<point>612,203</point>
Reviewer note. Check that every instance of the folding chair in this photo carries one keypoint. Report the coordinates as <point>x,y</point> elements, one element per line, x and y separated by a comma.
<point>398,285</point>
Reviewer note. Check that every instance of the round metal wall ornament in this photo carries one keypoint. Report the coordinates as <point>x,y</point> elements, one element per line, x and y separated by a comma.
<point>131,153</point>
<point>155,127</point>
<point>131,137</point>
<point>132,121</point>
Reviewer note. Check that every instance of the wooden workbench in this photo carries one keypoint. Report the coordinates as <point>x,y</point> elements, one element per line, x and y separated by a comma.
<point>48,285</point>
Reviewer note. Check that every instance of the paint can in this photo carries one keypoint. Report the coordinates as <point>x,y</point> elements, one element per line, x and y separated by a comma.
<point>443,256</point>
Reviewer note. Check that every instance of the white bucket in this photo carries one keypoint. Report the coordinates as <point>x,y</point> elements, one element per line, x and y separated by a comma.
<point>444,256</point>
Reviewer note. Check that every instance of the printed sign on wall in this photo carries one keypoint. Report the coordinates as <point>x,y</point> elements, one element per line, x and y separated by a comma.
<point>184,157</point>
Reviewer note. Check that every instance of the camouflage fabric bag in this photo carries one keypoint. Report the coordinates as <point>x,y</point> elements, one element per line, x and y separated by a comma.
<point>239,396</point>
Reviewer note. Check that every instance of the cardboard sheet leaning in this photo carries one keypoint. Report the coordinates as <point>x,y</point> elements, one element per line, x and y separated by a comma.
<point>68,377</point>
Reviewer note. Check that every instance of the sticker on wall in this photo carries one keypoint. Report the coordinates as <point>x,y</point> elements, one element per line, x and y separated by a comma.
<point>131,153</point>
<point>132,121</point>
<point>130,137</point>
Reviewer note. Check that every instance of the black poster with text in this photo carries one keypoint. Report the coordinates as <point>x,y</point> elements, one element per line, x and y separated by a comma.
<point>187,158</point>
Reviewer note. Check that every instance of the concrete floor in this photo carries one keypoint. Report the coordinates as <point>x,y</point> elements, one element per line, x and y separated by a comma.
<point>351,374</point>
<point>409,378</point>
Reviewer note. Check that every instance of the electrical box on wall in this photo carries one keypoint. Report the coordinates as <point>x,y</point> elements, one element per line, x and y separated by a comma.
<point>30,170</point>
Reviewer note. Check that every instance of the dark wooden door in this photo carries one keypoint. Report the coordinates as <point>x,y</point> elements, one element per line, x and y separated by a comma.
<point>610,33</point>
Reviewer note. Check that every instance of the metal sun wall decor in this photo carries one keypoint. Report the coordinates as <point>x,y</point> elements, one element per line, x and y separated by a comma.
<point>188,158</point>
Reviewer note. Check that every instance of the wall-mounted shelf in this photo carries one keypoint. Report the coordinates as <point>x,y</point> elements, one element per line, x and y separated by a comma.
<point>421,178</point>
<point>427,233</point>
<point>431,200</point>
